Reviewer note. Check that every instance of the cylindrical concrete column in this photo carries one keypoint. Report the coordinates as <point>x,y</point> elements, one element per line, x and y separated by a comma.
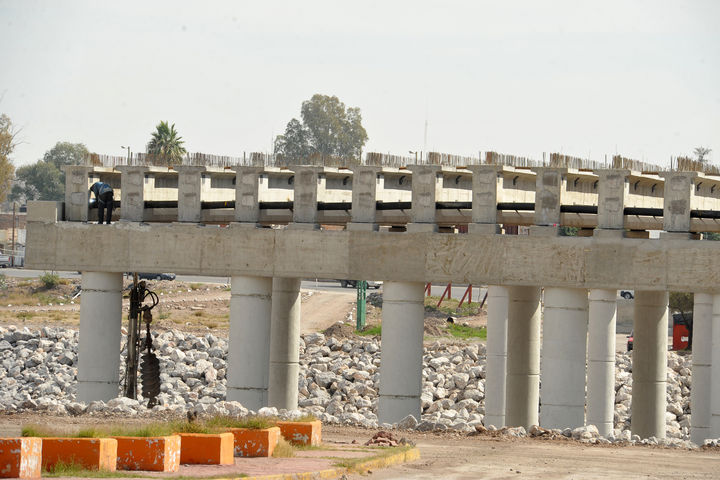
<point>649,364</point>
<point>100,335</point>
<point>602,314</point>
<point>402,351</point>
<point>714,370</point>
<point>564,347</point>
<point>702,347</point>
<point>249,346</point>
<point>284,343</point>
<point>497,326</point>
<point>523,359</point>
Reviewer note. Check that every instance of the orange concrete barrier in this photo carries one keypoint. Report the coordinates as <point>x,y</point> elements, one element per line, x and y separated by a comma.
<point>159,454</point>
<point>302,433</point>
<point>255,442</point>
<point>207,448</point>
<point>20,457</point>
<point>90,453</point>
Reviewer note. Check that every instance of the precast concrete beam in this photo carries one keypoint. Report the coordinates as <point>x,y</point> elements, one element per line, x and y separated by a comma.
<point>487,186</point>
<point>679,191</point>
<point>549,185</point>
<point>249,346</point>
<point>602,314</point>
<point>100,336</point>
<point>715,370</point>
<point>612,191</point>
<point>247,194</point>
<point>284,343</point>
<point>132,192</point>
<point>402,351</point>
<point>190,193</point>
<point>523,359</point>
<point>649,364</point>
<point>426,180</point>
<point>307,182</point>
<point>76,192</point>
<point>702,346</point>
<point>364,198</point>
<point>564,346</point>
<point>497,327</point>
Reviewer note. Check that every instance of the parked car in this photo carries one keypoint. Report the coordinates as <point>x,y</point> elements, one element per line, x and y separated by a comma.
<point>154,276</point>
<point>630,339</point>
<point>627,294</point>
<point>4,261</point>
<point>353,283</point>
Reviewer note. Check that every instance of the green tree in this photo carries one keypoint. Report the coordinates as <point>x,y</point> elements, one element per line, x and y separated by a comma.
<point>327,128</point>
<point>295,144</point>
<point>7,145</point>
<point>166,144</point>
<point>39,181</point>
<point>45,179</point>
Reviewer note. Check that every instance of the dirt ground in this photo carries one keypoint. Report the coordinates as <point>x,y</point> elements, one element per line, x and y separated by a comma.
<point>455,456</point>
<point>458,456</point>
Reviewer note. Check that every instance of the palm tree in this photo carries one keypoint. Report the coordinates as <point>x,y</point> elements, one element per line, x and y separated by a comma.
<point>166,144</point>
<point>701,153</point>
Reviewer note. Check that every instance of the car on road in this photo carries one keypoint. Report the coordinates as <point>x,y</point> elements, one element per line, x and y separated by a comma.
<point>353,283</point>
<point>4,261</point>
<point>154,276</point>
<point>630,340</point>
<point>627,294</point>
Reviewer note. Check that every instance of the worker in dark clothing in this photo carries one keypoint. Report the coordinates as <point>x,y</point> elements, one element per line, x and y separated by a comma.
<point>105,200</point>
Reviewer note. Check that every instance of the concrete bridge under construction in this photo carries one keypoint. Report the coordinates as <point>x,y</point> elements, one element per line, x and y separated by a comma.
<point>409,226</point>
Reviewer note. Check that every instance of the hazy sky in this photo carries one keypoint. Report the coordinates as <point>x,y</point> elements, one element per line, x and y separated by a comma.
<point>641,78</point>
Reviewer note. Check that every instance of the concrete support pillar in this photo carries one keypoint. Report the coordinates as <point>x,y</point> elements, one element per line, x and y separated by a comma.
<point>523,359</point>
<point>402,351</point>
<point>487,184</point>
<point>76,192</point>
<point>649,364</point>
<point>190,193</point>
<point>132,186</point>
<point>364,198</point>
<point>249,346</point>
<point>99,344</point>
<point>549,185</point>
<point>701,368</point>
<point>284,343</point>
<point>564,347</point>
<point>612,192</point>
<point>715,371</point>
<point>426,180</point>
<point>247,194</point>
<point>308,181</point>
<point>679,191</point>
<point>497,326</point>
<point>602,314</point>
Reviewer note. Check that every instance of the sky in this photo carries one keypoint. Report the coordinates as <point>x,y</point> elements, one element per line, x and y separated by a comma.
<point>589,79</point>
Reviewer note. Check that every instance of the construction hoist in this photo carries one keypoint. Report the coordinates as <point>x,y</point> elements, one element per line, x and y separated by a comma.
<point>150,368</point>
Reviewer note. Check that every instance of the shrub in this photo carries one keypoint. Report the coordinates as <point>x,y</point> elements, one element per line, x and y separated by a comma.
<point>50,280</point>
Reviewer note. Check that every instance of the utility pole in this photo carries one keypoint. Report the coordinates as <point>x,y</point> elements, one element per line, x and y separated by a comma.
<point>12,261</point>
<point>361,304</point>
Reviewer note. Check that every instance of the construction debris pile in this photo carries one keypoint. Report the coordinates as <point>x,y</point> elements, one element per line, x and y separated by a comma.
<point>339,382</point>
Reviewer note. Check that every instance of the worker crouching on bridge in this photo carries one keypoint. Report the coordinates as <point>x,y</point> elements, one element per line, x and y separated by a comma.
<point>105,200</point>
